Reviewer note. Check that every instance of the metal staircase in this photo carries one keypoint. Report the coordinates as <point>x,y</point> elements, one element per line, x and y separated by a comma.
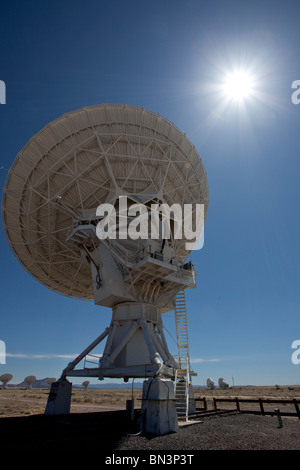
<point>182,377</point>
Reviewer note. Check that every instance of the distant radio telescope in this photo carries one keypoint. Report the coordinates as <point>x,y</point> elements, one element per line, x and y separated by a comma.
<point>85,384</point>
<point>210,384</point>
<point>5,378</point>
<point>29,381</point>
<point>222,384</point>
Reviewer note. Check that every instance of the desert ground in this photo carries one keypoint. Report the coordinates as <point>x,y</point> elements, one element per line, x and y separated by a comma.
<point>21,402</point>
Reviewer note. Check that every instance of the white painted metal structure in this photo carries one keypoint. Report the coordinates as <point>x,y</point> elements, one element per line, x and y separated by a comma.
<point>182,378</point>
<point>210,384</point>
<point>222,384</point>
<point>89,157</point>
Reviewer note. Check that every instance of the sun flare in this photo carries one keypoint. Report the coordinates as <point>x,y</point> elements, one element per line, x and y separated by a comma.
<point>238,85</point>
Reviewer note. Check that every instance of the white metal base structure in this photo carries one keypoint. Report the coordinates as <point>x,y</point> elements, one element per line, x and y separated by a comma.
<point>135,342</point>
<point>138,287</point>
<point>135,346</point>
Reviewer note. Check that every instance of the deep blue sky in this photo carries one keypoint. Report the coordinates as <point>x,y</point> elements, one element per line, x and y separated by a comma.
<point>170,57</point>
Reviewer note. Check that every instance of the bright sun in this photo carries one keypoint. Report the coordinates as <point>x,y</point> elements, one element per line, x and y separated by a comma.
<point>238,85</point>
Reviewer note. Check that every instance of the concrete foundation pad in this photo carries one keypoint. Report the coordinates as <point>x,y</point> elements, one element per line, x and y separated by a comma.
<point>159,407</point>
<point>59,400</point>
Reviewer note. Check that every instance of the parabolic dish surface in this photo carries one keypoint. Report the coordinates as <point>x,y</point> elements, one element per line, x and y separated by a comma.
<point>79,161</point>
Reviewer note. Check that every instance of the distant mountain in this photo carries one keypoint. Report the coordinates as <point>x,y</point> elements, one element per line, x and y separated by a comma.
<point>112,385</point>
<point>42,383</point>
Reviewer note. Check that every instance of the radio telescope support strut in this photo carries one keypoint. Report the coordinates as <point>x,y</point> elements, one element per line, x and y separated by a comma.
<point>133,327</point>
<point>74,363</point>
<point>59,399</point>
<point>154,356</point>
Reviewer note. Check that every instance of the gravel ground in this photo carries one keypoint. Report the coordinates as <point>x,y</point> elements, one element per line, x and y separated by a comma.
<point>231,432</point>
<point>108,431</point>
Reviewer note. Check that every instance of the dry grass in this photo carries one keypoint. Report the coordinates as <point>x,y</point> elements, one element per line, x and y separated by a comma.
<point>280,391</point>
<point>20,402</point>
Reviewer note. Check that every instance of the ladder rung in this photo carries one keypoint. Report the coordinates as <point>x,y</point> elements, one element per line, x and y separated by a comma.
<point>182,374</point>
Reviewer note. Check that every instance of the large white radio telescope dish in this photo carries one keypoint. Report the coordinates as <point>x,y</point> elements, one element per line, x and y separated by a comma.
<point>85,158</point>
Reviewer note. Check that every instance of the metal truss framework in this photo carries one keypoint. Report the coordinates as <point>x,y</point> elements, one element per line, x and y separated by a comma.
<point>85,158</point>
